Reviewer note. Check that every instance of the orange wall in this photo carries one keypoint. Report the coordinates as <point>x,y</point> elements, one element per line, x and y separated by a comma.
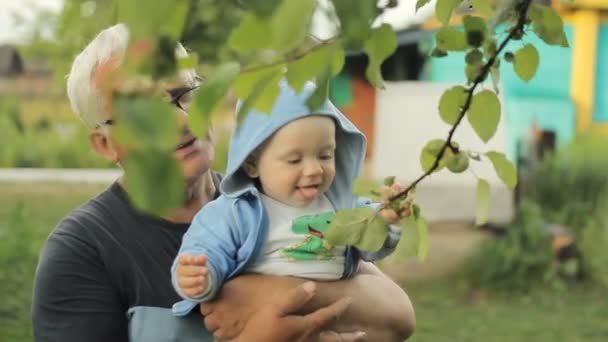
<point>361,110</point>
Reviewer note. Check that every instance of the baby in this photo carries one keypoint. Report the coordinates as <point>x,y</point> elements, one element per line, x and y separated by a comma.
<point>288,172</point>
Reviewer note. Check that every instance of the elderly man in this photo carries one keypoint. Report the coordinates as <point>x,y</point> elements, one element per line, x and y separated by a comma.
<point>103,274</point>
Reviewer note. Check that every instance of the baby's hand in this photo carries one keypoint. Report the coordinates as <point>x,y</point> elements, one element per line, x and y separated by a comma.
<point>391,213</point>
<point>192,274</point>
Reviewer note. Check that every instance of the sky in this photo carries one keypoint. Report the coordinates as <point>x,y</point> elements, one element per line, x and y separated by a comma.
<point>9,31</point>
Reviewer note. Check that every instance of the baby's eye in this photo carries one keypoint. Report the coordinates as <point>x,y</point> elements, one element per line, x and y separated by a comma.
<point>326,156</point>
<point>293,161</point>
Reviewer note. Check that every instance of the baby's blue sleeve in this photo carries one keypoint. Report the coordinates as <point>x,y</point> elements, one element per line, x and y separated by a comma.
<point>212,233</point>
<point>392,239</point>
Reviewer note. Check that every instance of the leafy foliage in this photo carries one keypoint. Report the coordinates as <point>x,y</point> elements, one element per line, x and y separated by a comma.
<point>257,43</point>
<point>209,96</point>
<point>504,168</point>
<point>519,260</point>
<point>381,44</point>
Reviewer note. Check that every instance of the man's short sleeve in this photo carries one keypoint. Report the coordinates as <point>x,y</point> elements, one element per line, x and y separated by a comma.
<point>73,297</point>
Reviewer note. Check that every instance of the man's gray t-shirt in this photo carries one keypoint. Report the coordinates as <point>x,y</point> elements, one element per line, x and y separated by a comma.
<point>104,275</point>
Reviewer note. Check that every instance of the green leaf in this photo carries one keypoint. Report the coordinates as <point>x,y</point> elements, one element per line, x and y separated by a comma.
<point>156,22</point>
<point>548,25</point>
<point>381,44</point>
<point>495,74</point>
<point>263,8</point>
<point>209,96</point>
<point>450,39</point>
<point>483,202</point>
<point>337,62</point>
<point>438,53</point>
<point>415,211</point>
<point>422,249</point>
<point>409,242</point>
<point>347,226</point>
<point>319,96</point>
<point>429,155</point>
<point>483,6</point>
<point>504,168</point>
<point>484,114</point>
<point>450,104</point>
<point>356,18</point>
<point>421,3</point>
<point>253,33</point>
<point>143,121</point>
<point>291,23</point>
<point>475,28</point>
<point>526,62</point>
<point>389,181</point>
<point>155,180</point>
<point>363,187</point>
<point>472,72</point>
<point>373,235</point>
<point>444,9</point>
<point>489,47</point>
<point>188,62</point>
<point>176,20</point>
<point>311,66</point>
<point>262,95</point>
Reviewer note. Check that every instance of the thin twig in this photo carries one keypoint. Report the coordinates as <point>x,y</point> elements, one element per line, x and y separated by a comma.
<point>291,58</point>
<point>485,70</point>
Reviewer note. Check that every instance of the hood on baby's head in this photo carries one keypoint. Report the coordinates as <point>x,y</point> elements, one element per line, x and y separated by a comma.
<point>290,105</point>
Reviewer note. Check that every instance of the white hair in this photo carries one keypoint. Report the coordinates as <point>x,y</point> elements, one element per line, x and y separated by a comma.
<point>85,99</point>
<point>82,92</point>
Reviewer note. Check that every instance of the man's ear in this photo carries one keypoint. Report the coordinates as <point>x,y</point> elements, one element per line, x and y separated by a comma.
<point>250,167</point>
<point>103,146</point>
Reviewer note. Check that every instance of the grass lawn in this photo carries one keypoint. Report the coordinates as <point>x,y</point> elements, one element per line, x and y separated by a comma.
<point>444,311</point>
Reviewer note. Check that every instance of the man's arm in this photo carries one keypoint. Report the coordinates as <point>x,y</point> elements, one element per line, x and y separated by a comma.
<point>73,300</point>
<point>380,307</point>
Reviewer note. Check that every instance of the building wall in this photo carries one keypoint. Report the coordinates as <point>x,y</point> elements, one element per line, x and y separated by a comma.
<point>406,118</point>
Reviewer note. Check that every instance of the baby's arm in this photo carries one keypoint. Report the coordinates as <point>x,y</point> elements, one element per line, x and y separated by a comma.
<point>207,256</point>
<point>193,275</point>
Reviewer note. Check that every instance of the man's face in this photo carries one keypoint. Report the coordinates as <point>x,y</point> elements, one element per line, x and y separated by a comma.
<point>194,155</point>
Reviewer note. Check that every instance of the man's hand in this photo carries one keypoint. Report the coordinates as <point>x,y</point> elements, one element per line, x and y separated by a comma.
<point>381,308</point>
<point>192,274</point>
<point>277,322</point>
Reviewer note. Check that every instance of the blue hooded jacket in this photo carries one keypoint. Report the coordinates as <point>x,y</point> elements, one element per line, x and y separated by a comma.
<point>231,230</point>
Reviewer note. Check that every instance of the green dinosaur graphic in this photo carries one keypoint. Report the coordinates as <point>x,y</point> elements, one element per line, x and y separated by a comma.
<point>314,246</point>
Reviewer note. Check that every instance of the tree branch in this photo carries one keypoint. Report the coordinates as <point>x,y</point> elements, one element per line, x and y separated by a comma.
<point>291,58</point>
<point>485,70</point>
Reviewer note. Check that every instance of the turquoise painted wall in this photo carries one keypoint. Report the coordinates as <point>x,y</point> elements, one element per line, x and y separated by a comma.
<point>600,112</point>
<point>544,100</point>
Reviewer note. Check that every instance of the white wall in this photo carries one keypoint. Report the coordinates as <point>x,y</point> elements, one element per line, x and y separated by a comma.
<point>406,118</point>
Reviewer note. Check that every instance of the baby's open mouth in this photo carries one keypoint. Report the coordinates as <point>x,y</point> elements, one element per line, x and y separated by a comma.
<point>309,191</point>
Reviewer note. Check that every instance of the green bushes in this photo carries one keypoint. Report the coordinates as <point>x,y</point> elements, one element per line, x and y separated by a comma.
<point>568,189</point>
<point>43,142</point>
<point>517,260</point>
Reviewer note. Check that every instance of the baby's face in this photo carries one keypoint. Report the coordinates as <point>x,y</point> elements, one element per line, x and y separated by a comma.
<point>297,164</point>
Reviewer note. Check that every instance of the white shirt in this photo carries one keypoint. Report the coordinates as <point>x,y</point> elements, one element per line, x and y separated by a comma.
<point>299,254</point>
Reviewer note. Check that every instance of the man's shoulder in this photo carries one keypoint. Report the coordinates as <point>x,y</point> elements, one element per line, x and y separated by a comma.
<point>91,218</point>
